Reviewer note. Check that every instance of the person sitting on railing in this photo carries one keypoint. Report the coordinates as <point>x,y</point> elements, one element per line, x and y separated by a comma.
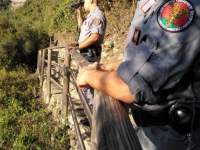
<point>158,77</point>
<point>92,31</point>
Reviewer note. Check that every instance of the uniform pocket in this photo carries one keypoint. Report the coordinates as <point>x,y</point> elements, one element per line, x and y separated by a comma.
<point>86,28</point>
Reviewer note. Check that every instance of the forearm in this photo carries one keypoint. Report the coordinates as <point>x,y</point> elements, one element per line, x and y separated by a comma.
<point>109,83</point>
<point>79,18</point>
<point>93,38</point>
<point>88,42</point>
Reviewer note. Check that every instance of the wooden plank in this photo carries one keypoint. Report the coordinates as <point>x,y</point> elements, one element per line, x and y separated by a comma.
<point>82,62</point>
<point>111,125</point>
<point>38,63</point>
<point>86,107</point>
<point>42,68</point>
<point>66,81</point>
<point>49,76</point>
<point>78,132</point>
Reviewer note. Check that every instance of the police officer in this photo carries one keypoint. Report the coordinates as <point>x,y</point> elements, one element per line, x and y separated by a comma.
<point>158,77</point>
<point>91,36</point>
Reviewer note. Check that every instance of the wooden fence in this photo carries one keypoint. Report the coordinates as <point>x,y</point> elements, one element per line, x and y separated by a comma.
<point>109,120</point>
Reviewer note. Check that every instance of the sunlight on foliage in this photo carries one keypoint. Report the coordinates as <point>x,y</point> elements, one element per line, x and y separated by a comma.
<point>27,29</point>
<point>24,121</point>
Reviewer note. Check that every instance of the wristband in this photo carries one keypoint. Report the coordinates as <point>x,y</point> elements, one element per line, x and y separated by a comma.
<point>77,46</point>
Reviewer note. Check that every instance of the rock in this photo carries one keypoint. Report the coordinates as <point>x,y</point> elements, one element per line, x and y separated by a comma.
<point>16,4</point>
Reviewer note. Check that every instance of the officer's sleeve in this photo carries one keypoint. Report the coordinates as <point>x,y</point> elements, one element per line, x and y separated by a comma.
<point>139,89</point>
<point>98,25</point>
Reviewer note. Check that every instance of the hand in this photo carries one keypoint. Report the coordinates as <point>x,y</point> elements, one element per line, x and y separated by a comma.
<point>93,66</point>
<point>81,82</point>
<point>72,47</point>
<point>100,67</point>
<point>79,8</point>
<point>106,67</point>
<point>110,66</point>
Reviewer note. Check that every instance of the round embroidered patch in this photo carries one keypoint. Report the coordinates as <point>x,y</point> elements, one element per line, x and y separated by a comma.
<point>96,21</point>
<point>175,15</point>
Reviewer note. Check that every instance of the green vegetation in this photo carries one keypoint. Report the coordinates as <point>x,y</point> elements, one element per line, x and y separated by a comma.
<point>27,29</point>
<point>24,122</point>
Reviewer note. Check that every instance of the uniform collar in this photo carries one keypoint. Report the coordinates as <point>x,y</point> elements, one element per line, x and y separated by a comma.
<point>93,11</point>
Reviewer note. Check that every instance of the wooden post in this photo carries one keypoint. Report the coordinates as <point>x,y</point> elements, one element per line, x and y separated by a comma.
<point>42,68</point>
<point>38,62</point>
<point>49,76</point>
<point>66,81</point>
<point>111,125</point>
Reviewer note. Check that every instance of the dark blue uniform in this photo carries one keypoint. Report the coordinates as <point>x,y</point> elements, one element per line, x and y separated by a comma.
<point>162,45</point>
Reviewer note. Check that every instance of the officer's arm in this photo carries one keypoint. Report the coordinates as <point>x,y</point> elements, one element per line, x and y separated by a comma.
<point>80,17</point>
<point>106,82</point>
<point>93,38</point>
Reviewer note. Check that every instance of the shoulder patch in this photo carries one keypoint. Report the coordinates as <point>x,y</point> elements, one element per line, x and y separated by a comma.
<point>96,21</point>
<point>175,15</point>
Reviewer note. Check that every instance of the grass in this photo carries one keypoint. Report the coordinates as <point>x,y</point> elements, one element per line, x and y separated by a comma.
<point>25,123</point>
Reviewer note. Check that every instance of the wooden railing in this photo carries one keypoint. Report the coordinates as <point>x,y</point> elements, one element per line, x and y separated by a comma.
<point>111,125</point>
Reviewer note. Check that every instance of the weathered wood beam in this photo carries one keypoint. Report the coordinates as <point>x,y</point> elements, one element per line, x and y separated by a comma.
<point>111,125</point>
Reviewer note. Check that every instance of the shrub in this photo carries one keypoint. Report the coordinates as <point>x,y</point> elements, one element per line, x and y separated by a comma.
<point>20,43</point>
<point>24,121</point>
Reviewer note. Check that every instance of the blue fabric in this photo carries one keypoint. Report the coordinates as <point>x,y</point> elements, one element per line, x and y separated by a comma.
<point>161,58</point>
<point>165,138</point>
<point>156,64</point>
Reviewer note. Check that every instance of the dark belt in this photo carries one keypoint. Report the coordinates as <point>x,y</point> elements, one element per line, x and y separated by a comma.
<point>88,49</point>
<point>91,53</point>
<point>145,118</point>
